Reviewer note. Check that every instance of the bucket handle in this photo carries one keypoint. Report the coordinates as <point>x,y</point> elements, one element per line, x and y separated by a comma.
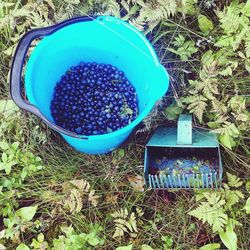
<point>17,67</point>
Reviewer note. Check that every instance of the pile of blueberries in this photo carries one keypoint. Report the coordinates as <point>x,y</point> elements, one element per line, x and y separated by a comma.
<point>93,99</point>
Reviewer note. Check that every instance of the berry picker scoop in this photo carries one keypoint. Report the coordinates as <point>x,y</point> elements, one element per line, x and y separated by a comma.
<point>183,157</point>
<point>101,39</point>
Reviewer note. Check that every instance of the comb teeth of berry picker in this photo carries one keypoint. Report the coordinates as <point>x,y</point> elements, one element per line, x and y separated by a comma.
<point>210,180</point>
<point>183,158</point>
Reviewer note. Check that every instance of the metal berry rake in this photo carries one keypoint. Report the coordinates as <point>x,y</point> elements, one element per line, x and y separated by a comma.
<point>183,158</point>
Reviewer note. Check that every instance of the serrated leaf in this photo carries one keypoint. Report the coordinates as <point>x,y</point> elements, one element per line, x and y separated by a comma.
<point>122,213</point>
<point>205,24</point>
<point>233,197</point>
<point>118,232</point>
<point>27,213</point>
<point>246,9</point>
<point>82,185</point>
<point>208,58</point>
<point>93,198</point>
<point>233,180</point>
<point>212,211</point>
<point>132,222</point>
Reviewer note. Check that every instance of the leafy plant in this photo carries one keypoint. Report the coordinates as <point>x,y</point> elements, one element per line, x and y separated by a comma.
<point>125,223</point>
<point>205,24</point>
<point>218,210</point>
<point>168,242</point>
<point>184,49</point>
<point>72,240</point>
<point>228,54</point>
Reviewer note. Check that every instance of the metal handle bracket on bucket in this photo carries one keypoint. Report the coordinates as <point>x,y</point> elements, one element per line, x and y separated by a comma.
<point>17,67</point>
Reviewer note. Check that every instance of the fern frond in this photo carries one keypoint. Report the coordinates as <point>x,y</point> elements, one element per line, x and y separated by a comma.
<point>212,211</point>
<point>73,202</point>
<point>111,7</point>
<point>125,223</point>
<point>234,181</point>
<point>122,213</point>
<point>82,185</point>
<point>197,105</point>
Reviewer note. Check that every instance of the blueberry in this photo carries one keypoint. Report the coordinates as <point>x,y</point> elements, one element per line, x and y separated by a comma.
<point>81,96</point>
<point>78,130</point>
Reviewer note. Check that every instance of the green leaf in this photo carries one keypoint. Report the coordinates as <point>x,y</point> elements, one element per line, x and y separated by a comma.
<point>233,180</point>
<point>212,211</point>
<point>129,111</point>
<point>247,206</point>
<point>121,153</point>
<point>246,9</point>
<point>205,24</point>
<point>212,246</point>
<point>27,213</point>
<point>189,7</point>
<point>233,197</point>
<point>93,241</point>
<point>229,238</point>
<point>129,247</point>
<point>22,246</point>
<point>4,157</point>
<point>227,140</point>
<point>168,240</point>
<point>8,168</point>
<point>173,111</point>
<point>4,145</point>
<point>8,107</point>
<point>40,238</point>
<point>208,58</point>
<point>146,247</point>
<point>248,186</point>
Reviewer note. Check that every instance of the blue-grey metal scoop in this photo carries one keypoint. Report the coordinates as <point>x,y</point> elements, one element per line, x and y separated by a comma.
<point>183,157</point>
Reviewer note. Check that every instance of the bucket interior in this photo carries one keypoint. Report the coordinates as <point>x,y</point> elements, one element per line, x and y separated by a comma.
<point>103,41</point>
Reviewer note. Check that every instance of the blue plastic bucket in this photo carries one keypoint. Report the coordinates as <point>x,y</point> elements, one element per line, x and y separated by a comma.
<point>102,39</point>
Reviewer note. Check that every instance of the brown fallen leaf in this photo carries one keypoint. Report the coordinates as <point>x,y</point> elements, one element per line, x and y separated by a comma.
<point>137,182</point>
<point>112,199</point>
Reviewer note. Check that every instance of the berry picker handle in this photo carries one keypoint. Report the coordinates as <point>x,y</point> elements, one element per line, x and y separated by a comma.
<point>184,130</point>
<point>17,67</point>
